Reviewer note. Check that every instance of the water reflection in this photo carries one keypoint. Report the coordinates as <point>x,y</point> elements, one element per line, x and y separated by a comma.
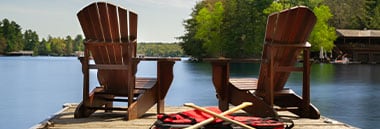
<point>244,69</point>
<point>352,95</point>
<point>192,83</point>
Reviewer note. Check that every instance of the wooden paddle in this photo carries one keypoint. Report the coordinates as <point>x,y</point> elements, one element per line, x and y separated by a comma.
<point>221,116</point>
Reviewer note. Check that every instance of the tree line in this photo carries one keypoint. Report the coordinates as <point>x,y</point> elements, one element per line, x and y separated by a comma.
<point>236,28</point>
<point>160,49</point>
<point>12,39</point>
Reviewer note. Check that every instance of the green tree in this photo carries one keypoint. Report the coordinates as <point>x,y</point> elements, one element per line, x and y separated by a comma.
<point>323,35</point>
<point>243,28</point>
<point>192,46</point>
<point>12,33</point>
<point>78,43</point>
<point>230,28</point>
<point>349,14</point>
<point>44,48</point>
<point>12,39</point>
<point>209,27</point>
<point>3,41</point>
<point>275,7</point>
<point>31,41</point>
<point>58,46</point>
<point>160,49</point>
<point>374,21</point>
<point>279,5</point>
<point>69,45</point>
<point>3,44</point>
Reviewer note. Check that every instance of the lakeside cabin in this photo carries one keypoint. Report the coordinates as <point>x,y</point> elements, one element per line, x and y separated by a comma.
<point>358,45</point>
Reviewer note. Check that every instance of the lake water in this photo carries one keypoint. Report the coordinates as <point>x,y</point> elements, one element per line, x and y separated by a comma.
<point>33,88</point>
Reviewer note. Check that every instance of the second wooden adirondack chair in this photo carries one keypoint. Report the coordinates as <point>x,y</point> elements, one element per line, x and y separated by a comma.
<point>285,39</point>
<point>111,34</point>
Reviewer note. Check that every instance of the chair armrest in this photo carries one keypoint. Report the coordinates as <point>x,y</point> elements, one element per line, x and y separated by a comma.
<point>164,74</point>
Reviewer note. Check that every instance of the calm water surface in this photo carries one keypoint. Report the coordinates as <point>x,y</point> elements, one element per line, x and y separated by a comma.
<point>33,88</point>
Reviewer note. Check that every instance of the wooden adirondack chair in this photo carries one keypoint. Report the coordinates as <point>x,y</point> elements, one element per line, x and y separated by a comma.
<point>111,34</point>
<point>285,39</point>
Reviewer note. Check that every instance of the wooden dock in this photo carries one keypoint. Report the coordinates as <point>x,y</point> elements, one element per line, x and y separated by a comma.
<point>64,119</point>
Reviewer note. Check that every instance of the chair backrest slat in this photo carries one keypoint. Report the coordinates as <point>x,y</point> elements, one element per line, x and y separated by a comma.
<point>285,27</point>
<point>123,18</point>
<point>132,25</point>
<point>114,24</point>
<point>104,16</point>
<point>85,22</point>
<point>95,23</point>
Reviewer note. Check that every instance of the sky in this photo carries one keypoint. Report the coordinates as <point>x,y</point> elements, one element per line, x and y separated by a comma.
<point>159,20</point>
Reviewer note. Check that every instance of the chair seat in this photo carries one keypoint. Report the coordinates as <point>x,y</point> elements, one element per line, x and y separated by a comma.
<point>142,84</point>
<point>145,83</point>
<point>244,83</point>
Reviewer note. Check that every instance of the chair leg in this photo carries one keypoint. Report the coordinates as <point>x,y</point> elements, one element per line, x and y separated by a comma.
<point>93,100</point>
<point>160,106</point>
<point>109,104</point>
<point>132,111</point>
<point>259,107</point>
<point>82,111</point>
<point>293,100</point>
<point>144,102</point>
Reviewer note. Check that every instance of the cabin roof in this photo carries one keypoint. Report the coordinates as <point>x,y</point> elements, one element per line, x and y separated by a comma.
<point>357,33</point>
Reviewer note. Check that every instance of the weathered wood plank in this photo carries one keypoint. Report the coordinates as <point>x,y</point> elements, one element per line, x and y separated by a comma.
<point>244,83</point>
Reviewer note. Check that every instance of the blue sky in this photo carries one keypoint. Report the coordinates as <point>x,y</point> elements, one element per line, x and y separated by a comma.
<point>159,20</point>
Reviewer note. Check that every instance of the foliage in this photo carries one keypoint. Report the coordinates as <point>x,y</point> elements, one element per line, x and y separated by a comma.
<point>244,28</point>
<point>3,44</point>
<point>354,14</point>
<point>374,11</point>
<point>229,28</point>
<point>58,46</point>
<point>235,28</point>
<point>192,46</point>
<point>69,45</point>
<point>78,43</point>
<point>31,41</point>
<point>160,49</point>
<point>3,41</point>
<point>275,7</point>
<point>209,28</point>
<point>11,39</point>
<point>323,35</point>
<point>44,48</point>
<point>13,36</point>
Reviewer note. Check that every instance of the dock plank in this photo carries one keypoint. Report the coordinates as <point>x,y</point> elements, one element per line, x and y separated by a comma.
<point>116,120</point>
